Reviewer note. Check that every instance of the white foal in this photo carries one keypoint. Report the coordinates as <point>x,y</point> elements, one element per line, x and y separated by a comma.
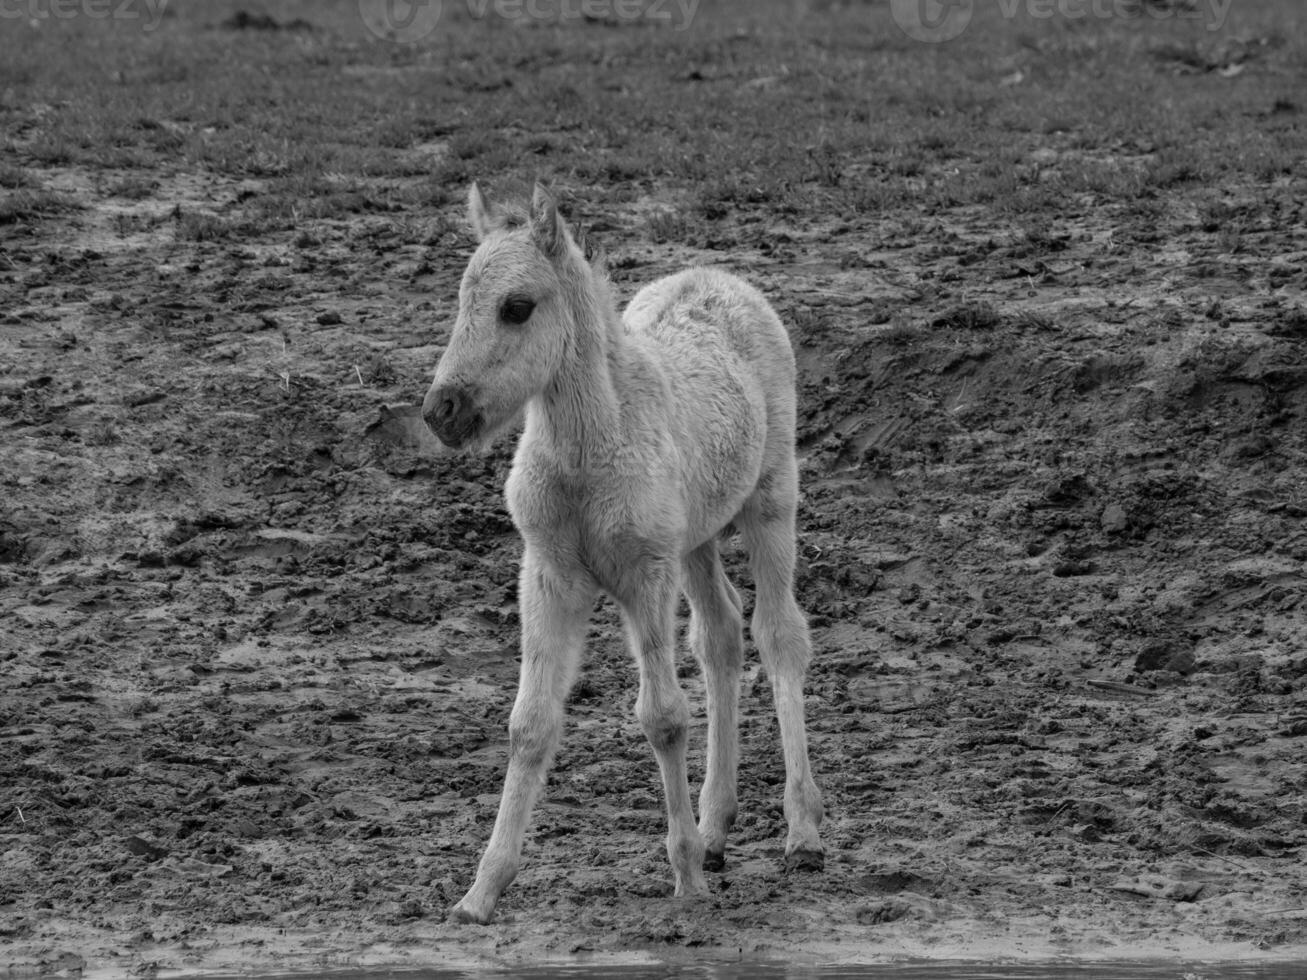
<point>645,437</point>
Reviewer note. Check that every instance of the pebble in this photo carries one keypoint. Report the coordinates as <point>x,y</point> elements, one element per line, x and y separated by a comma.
<point>1165,655</point>
<point>148,849</point>
<point>1114,519</point>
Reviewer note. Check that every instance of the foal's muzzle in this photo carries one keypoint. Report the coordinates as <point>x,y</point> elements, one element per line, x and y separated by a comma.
<point>450,413</point>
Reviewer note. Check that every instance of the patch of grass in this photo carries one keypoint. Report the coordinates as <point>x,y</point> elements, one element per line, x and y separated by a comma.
<point>755,109</point>
<point>201,226</point>
<point>902,332</point>
<point>157,135</point>
<point>969,316</point>
<point>1030,321</point>
<point>1265,159</point>
<point>670,226</point>
<point>735,190</point>
<point>102,432</point>
<point>826,164</point>
<point>1175,165</point>
<point>874,195</point>
<point>28,205</point>
<point>484,155</point>
<point>375,370</point>
<point>52,150</point>
<point>325,196</point>
<point>135,187</point>
<point>404,131</point>
<point>133,224</point>
<point>1111,179</point>
<point>622,167</point>
<point>13,176</point>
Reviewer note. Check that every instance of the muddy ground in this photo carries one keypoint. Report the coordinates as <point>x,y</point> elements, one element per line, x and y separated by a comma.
<point>258,633</point>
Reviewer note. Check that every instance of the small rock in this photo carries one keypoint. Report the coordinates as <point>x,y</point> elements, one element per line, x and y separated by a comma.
<point>1183,891</point>
<point>1152,655</point>
<point>1165,655</point>
<point>1067,491</point>
<point>329,319</point>
<point>245,828</point>
<point>1073,568</point>
<point>1095,813</point>
<point>1114,519</point>
<point>139,845</point>
<point>910,593</point>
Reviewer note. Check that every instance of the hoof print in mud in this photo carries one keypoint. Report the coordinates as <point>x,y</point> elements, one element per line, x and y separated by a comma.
<point>804,859</point>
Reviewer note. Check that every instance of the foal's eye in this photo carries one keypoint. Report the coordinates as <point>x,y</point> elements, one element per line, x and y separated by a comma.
<point>517,310</point>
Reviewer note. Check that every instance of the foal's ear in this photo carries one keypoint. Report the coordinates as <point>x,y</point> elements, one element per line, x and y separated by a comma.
<point>478,212</point>
<point>547,228</point>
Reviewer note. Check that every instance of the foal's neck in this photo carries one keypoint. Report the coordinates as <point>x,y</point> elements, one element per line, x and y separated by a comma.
<point>580,411</point>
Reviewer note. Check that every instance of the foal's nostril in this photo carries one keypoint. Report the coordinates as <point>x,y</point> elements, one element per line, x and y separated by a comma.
<point>438,405</point>
<point>444,409</point>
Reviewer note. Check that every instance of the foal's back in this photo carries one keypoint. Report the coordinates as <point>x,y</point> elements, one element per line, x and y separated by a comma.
<point>729,370</point>
<point>708,326</point>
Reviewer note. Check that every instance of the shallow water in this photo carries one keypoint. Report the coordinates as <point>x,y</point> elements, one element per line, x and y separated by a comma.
<point>899,971</point>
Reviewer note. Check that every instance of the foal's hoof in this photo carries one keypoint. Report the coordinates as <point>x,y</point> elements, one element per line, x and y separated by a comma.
<point>714,860</point>
<point>460,915</point>
<point>805,859</point>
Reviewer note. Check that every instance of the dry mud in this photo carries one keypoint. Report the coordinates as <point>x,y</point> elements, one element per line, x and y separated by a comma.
<point>258,634</point>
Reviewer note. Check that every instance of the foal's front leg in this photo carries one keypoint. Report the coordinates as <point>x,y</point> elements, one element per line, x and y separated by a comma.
<point>664,713</point>
<point>554,614</point>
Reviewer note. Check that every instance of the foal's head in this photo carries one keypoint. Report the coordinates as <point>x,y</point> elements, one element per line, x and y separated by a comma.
<point>516,312</point>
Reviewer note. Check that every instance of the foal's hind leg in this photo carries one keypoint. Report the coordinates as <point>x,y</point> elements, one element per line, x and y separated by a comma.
<point>664,713</point>
<point>716,636</point>
<point>780,631</point>
<point>554,615</point>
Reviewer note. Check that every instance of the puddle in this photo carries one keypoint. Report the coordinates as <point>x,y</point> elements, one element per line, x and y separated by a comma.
<point>1153,970</point>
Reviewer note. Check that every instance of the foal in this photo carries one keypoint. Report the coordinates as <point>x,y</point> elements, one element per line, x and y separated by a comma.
<point>645,436</point>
